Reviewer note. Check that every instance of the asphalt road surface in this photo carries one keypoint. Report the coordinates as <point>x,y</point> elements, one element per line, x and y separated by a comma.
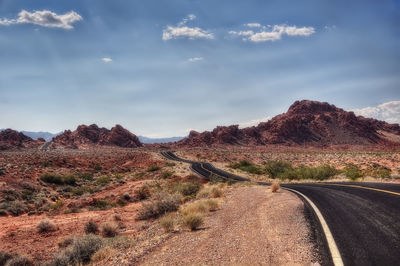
<point>364,218</point>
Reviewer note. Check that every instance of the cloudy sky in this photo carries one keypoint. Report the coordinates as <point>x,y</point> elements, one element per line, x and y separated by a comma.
<point>161,68</point>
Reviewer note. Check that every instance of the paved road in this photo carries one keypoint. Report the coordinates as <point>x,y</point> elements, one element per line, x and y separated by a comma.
<point>364,218</point>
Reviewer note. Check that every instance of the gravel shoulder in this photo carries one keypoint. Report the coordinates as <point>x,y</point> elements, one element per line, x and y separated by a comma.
<point>253,226</point>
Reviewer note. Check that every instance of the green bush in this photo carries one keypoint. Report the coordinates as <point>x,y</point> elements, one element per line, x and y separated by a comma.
<point>58,179</point>
<point>166,174</point>
<point>103,180</point>
<point>277,168</point>
<point>153,168</point>
<point>248,167</point>
<point>353,172</point>
<point>189,188</point>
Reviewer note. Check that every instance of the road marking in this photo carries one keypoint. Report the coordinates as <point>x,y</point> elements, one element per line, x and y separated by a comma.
<point>336,257</point>
<point>370,188</point>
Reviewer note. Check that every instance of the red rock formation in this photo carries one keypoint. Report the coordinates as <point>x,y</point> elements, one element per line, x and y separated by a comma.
<point>305,123</point>
<point>13,139</point>
<point>88,136</point>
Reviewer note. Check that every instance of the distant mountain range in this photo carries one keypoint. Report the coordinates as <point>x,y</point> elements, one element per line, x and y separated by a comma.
<point>159,140</point>
<point>48,136</point>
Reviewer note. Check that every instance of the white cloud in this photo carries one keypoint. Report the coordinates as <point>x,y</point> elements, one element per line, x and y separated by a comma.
<point>254,122</point>
<point>274,34</point>
<point>44,18</point>
<point>195,59</point>
<point>183,31</point>
<point>106,59</point>
<point>253,25</point>
<point>389,112</point>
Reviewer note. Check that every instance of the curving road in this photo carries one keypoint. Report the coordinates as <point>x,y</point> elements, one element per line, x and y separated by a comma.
<point>364,218</point>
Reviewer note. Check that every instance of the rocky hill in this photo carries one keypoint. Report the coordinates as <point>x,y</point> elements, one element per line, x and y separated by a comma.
<point>13,139</point>
<point>305,123</point>
<point>89,136</point>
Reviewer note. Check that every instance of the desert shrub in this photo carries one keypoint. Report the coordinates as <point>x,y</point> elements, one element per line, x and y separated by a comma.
<point>45,226</point>
<point>4,257</point>
<point>102,204</point>
<point>58,179</point>
<point>216,179</point>
<point>103,180</point>
<point>379,171</point>
<point>97,167</point>
<point>153,168</point>
<point>167,222</point>
<point>121,242</point>
<point>275,187</point>
<point>59,204</point>
<point>86,176</point>
<point>193,220</point>
<point>277,168</point>
<point>126,197</point>
<point>19,260</point>
<point>353,172</point>
<point>91,227</point>
<point>66,242</point>
<point>189,188</point>
<point>161,203</point>
<point>247,167</point>
<point>204,192</point>
<point>3,212</point>
<point>143,192</point>
<point>80,190</point>
<point>212,204</point>
<point>216,192</point>
<point>166,174</point>
<point>16,207</point>
<point>194,207</point>
<point>79,252</point>
<point>109,229</point>
<point>170,164</point>
<point>102,254</point>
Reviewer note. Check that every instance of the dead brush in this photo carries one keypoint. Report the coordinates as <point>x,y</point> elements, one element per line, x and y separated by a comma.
<point>46,226</point>
<point>275,187</point>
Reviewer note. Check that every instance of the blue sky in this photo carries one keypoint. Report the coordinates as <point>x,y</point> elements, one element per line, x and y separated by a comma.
<point>161,68</point>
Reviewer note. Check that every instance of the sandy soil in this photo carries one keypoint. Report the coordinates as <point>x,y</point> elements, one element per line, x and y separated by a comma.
<point>254,226</point>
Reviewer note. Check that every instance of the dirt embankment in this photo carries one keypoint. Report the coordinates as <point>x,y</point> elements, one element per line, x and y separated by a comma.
<point>254,226</point>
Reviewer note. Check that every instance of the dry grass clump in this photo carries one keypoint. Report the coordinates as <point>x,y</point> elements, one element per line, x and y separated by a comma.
<point>103,254</point>
<point>161,204</point>
<point>275,187</point>
<point>4,257</point>
<point>167,222</point>
<point>91,227</point>
<point>45,226</point>
<point>215,191</point>
<point>200,206</point>
<point>109,229</point>
<point>193,220</point>
<point>142,193</point>
<point>65,242</point>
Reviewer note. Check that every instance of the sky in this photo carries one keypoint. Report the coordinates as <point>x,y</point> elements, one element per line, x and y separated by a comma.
<point>163,68</point>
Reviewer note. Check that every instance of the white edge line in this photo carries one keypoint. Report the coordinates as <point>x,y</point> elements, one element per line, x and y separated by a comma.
<point>336,257</point>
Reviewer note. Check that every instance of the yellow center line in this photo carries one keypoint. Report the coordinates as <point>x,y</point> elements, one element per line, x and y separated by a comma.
<point>370,188</point>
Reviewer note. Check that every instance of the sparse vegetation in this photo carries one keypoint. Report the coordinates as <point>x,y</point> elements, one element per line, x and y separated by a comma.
<point>18,260</point>
<point>153,168</point>
<point>167,222</point>
<point>247,166</point>
<point>58,179</point>
<point>109,229</point>
<point>91,227</point>
<point>160,204</point>
<point>193,220</point>
<point>46,226</point>
<point>143,192</point>
<point>275,187</point>
<point>353,172</point>
<point>79,252</point>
